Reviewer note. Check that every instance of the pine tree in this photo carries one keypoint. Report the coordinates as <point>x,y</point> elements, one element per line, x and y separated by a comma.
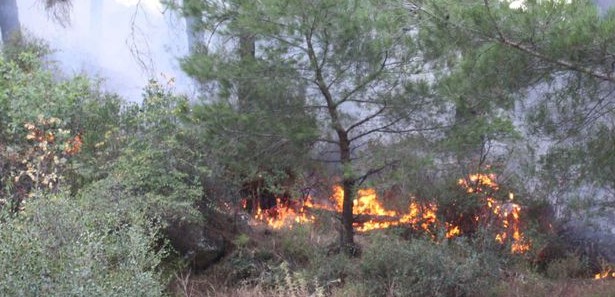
<point>349,62</point>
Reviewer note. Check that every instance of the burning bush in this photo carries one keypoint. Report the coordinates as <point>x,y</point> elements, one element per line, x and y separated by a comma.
<point>480,207</point>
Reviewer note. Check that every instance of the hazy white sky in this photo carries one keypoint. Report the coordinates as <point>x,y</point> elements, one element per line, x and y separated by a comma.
<point>150,4</point>
<point>103,42</point>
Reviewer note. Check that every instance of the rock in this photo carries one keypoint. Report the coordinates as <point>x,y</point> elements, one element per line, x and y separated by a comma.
<point>193,241</point>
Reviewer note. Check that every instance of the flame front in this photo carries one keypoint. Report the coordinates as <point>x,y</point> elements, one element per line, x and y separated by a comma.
<point>605,274</point>
<point>503,216</point>
<point>282,215</point>
<point>370,214</point>
<point>377,217</point>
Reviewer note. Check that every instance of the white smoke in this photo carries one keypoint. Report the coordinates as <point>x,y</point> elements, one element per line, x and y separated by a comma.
<point>125,43</point>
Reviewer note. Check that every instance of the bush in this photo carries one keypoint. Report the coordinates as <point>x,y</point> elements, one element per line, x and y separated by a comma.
<point>569,266</point>
<point>66,248</point>
<point>296,247</point>
<point>152,169</point>
<point>52,131</point>
<point>334,270</point>
<point>392,267</point>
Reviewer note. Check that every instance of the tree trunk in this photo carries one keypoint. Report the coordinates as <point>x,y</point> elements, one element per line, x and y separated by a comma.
<point>347,234</point>
<point>348,181</point>
<point>348,185</point>
<point>470,156</point>
<point>9,20</point>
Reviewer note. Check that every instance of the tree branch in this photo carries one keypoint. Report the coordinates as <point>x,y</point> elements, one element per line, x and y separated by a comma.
<point>527,50</point>
<point>361,179</point>
<point>532,52</point>
<point>560,62</point>
<point>370,78</point>
<point>367,118</point>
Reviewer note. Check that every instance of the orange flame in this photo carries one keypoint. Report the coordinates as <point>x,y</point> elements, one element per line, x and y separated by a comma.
<point>282,215</point>
<point>452,231</point>
<point>366,203</point>
<point>371,214</point>
<point>504,216</point>
<point>607,273</point>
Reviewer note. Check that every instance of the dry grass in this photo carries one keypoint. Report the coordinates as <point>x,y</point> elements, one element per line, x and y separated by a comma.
<point>289,284</point>
<point>538,286</point>
<point>515,288</point>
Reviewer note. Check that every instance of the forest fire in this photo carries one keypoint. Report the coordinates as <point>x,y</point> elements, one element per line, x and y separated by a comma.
<point>370,214</point>
<point>502,216</point>
<point>375,216</point>
<point>606,274</point>
<point>283,215</point>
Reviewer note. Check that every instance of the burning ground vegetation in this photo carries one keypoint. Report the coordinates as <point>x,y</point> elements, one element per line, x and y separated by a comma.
<point>491,256</point>
<point>503,216</point>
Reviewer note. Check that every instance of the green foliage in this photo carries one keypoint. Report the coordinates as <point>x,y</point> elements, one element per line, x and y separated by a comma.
<point>26,51</point>
<point>241,241</point>
<point>340,68</point>
<point>262,141</point>
<point>32,90</point>
<point>44,122</point>
<point>569,266</point>
<point>155,170</point>
<point>109,176</point>
<point>602,164</point>
<point>36,167</point>
<point>335,270</point>
<point>296,247</point>
<point>548,60</point>
<point>392,267</point>
<point>61,246</point>
<point>584,163</point>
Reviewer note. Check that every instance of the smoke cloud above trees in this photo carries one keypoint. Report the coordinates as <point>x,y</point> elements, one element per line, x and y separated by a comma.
<point>124,42</point>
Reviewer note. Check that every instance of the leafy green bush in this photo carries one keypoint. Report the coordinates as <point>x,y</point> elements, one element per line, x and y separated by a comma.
<point>296,247</point>
<point>393,267</point>
<point>333,270</point>
<point>125,167</point>
<point>65,247</point>
<point>153,169</point>
<point>25,44</point>
<point>52,130</point>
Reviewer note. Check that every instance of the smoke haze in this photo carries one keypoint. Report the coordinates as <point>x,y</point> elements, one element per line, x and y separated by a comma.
<point>124,42</point>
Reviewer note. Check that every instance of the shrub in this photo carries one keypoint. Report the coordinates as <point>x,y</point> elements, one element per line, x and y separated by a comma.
<point>354,288</point>
<point>569,266</point>
<point>279,282</point>
<point>333,270</point>
<point>66,248</point>
<point>296,247</point>
<point>294,284</point>
<point>153,170</point>
<point>393,267</point>
<point>52,131</point>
